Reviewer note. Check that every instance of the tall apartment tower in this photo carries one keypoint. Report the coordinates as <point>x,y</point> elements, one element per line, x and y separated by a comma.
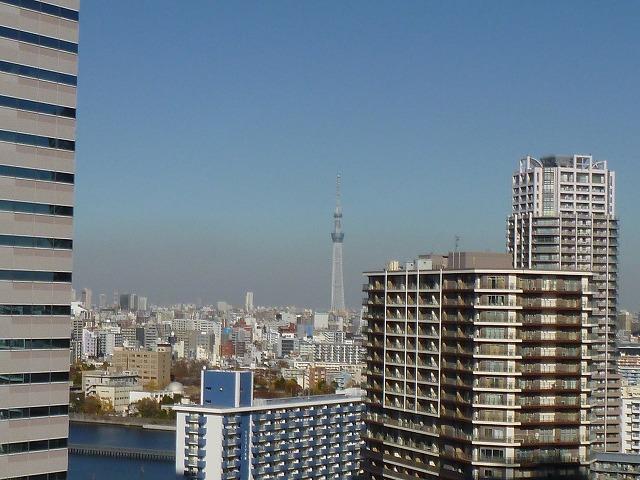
<point>337,237</point>
<point>477,370</point>
<point>248,302</point>
<point>563,218</point>
<point>38,74</point>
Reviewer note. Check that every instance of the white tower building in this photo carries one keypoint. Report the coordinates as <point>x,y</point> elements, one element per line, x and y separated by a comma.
<point>563,218</point>
<point>248,302</point>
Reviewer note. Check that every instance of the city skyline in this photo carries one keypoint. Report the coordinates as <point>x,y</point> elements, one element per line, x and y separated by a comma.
<point>418,113</point>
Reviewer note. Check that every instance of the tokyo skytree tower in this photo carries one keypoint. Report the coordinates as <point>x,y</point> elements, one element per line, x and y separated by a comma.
<point>337,236</point>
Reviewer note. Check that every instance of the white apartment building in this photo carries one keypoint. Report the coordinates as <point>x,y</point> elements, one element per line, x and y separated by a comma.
<point>563,218</point>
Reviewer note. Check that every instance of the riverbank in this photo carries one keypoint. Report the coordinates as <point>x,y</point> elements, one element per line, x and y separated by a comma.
<point>147,423</point>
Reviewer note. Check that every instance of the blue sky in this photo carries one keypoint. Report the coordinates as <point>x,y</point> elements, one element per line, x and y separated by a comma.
<point>210,134</point>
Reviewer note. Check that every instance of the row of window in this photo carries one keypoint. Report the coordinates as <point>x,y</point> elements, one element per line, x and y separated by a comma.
<point>35,242</point>
<point>35,276</point>
<point>32,412</point>
<point>37,140</point>
<point>39,377</point>
<point>37,107</point>
<point>43,476</point>
<point>43,7</point>
<point>40,40</point>
<point>38,73</point>
<point>35,310</point>
<point>39,208</point>
<point>32,446</point>
<point>34,174</point>
<point>33,343</point>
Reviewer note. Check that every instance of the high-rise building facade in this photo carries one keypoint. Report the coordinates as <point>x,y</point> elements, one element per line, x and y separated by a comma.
<point>563,218</point>
<point>248,302</point>
<point>38,76</point>
<point>86,298</point>
<point>337,237</point>
<point>477,370</point>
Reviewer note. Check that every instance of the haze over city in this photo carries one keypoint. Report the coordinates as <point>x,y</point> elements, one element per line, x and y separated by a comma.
<point>206,163</point>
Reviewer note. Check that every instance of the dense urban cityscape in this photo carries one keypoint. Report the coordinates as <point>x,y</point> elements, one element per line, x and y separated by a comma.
<point>516,363</point>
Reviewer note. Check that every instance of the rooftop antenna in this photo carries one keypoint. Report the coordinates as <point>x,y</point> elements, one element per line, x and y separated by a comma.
<point>457,244</point>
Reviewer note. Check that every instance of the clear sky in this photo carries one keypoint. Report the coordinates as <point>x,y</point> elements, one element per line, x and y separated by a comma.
<point>210,134</point>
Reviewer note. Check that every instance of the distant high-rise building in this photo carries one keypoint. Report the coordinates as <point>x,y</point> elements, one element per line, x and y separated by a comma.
<point>248,302</point>
<point>102,300</point>
<point>477,370</point>
<point>86,298</point>
<point>125,301</point>
<point>38,78</point>
<point>563,218</point>
<point>223,307</point>
<point>142,304</point>
<point>337,237</point>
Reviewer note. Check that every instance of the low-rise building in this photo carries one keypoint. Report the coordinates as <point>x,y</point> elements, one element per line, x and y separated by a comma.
<point>111,388</point>
<point>232,436</point>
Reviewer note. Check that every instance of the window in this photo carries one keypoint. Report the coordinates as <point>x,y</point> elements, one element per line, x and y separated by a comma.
<point>35,310</point>
<point>40,40</point>
<point>37,140</point>
<point>35,208</point>
<point>47,8</point>
<point>37,107</point>
<point>35,276</point>
<point>35,242</point>
<point>34,344</point>
<point>33,174</point>
<point>38,73</point>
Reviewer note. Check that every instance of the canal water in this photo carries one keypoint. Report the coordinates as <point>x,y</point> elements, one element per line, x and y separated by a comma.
<point>85,467</point>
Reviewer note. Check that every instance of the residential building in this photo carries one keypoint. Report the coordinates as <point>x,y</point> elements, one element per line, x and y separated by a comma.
<point>320,321</point>
<point>152,366</point>
<point>38,77</point>
<point>232,436</point>
<point>629,363</point>
<point>477,370</point>
<point>615,466</point>
<point>626,321</point>
<point>142,304</point>
<point>630,420</point>
<point>248,302</point>
<point>86,298</point>
<point>346,351</point>
<point>287,345</point>
<point>563,218</point>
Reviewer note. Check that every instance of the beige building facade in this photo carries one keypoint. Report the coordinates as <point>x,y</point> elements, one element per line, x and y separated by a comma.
<point>477,370</point>
<point>38,77</point>
<point>152,366</point>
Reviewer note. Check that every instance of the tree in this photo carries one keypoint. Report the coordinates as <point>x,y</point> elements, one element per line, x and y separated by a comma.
<point>323,388</point>
<point>148,408</point>
<point>92,405</point>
